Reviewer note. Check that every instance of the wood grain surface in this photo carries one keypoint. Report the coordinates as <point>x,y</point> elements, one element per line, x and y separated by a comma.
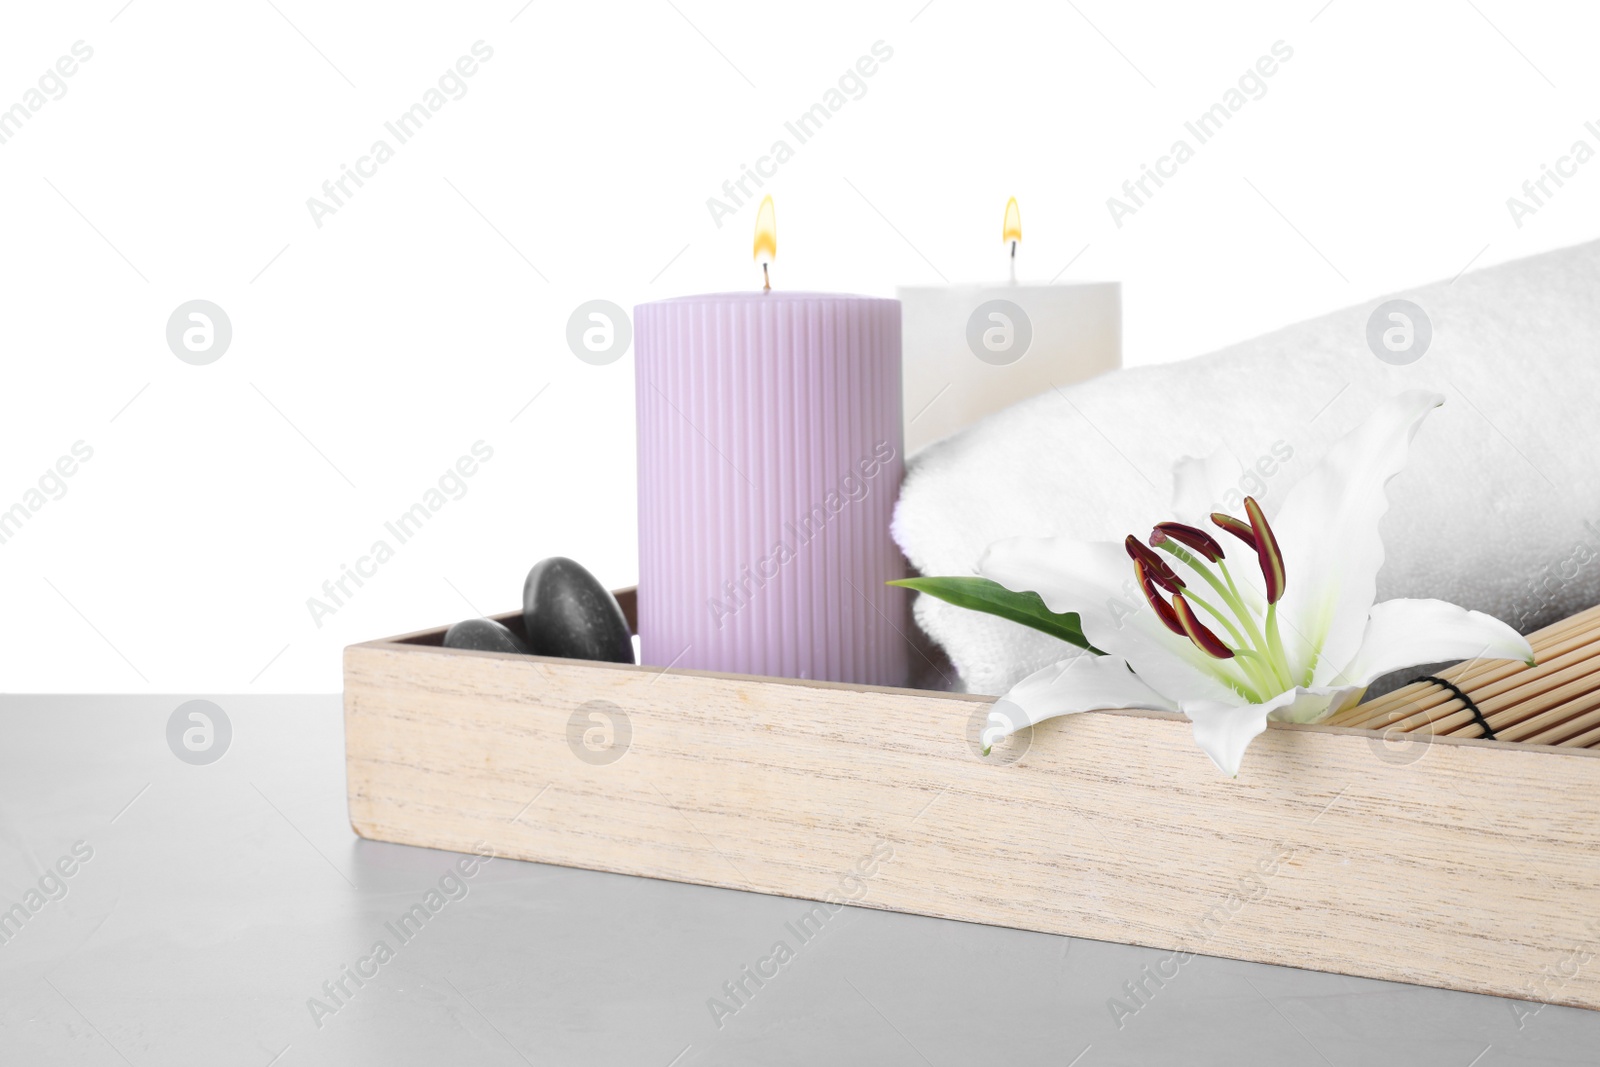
<point>1450,862</point>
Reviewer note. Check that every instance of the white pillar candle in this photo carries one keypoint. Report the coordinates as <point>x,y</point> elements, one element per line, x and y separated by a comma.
<point>972,350</point>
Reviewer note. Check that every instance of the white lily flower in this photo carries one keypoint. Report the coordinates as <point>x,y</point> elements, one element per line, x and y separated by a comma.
<point>1296,639</point>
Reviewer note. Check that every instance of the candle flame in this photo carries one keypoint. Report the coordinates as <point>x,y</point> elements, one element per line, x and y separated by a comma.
<point>766,233</point>
<point>1012,231</point>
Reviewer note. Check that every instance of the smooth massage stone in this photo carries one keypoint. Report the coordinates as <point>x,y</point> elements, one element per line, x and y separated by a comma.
<point>483,635</point>
<point>567,613</point>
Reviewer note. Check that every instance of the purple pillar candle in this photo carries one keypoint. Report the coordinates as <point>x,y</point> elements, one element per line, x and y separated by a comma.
<point>770,457</point>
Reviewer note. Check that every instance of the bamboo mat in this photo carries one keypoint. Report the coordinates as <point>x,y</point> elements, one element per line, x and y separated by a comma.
<point>1554,702</point>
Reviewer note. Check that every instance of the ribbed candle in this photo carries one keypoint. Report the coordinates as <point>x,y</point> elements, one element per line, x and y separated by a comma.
<point>770,458</point>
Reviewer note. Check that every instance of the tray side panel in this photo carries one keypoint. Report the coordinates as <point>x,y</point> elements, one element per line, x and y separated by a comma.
<point>1464,865</point>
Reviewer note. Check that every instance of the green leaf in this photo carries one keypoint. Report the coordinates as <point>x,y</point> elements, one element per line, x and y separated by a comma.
<point>980,594</point>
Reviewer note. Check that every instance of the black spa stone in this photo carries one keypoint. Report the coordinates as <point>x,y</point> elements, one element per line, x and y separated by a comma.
<point>566,612</point>
<point>483,635</point>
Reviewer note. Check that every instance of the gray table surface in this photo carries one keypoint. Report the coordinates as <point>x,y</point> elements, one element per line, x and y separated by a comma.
<point>218,900</point>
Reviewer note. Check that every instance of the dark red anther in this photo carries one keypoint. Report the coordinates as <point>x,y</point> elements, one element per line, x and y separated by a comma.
<point>1163,609</point>
<point>1204,639</point>
<point>1198,540</point>
<point>1241,530</point>
<point>1267,550</point>
<point>1154,565</point>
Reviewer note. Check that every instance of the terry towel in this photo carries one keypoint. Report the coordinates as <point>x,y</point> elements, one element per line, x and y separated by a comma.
<point>1498,509</point>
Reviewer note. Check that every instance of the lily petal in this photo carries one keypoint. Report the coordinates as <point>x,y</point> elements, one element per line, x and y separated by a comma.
<point>1313,703</point>
<point>1328,530</point>
<point>1199,485</point>
<point>1225,731</point>
<point>1082,683</point>
<point>1096,580</point>
<point>1404,633</point>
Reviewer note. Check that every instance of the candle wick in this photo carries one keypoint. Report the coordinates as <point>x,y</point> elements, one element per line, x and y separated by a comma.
<point>766,280</point>
<point>1013,263</point>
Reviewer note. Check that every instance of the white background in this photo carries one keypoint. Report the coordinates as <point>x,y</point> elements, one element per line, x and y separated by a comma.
<point>428,311</point>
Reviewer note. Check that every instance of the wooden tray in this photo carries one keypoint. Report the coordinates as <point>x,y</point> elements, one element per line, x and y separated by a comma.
<point>1443,861</point>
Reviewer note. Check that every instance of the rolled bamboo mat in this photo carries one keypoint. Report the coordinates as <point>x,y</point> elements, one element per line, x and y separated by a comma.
<point>1554,702</point>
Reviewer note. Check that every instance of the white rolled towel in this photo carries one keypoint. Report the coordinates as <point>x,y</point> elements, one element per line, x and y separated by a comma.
<point>1498,509</point>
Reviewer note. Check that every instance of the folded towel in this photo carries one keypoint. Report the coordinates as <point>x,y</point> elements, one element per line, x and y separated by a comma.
<point>1498,509</point>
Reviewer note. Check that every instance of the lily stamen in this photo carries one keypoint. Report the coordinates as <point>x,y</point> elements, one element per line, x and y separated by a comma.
<point>1272,570</point>
<point>1195,538</point>
<point>1256,639</point>
<point>1163,610</point>
<point>1241,530</point>
<point>1251,636</point>
<point>1203,638</point>
<point>1156,567</point>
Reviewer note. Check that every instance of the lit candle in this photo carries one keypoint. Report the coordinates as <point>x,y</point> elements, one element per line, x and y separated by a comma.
<point>770,457</point>
<point>972,350</point>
